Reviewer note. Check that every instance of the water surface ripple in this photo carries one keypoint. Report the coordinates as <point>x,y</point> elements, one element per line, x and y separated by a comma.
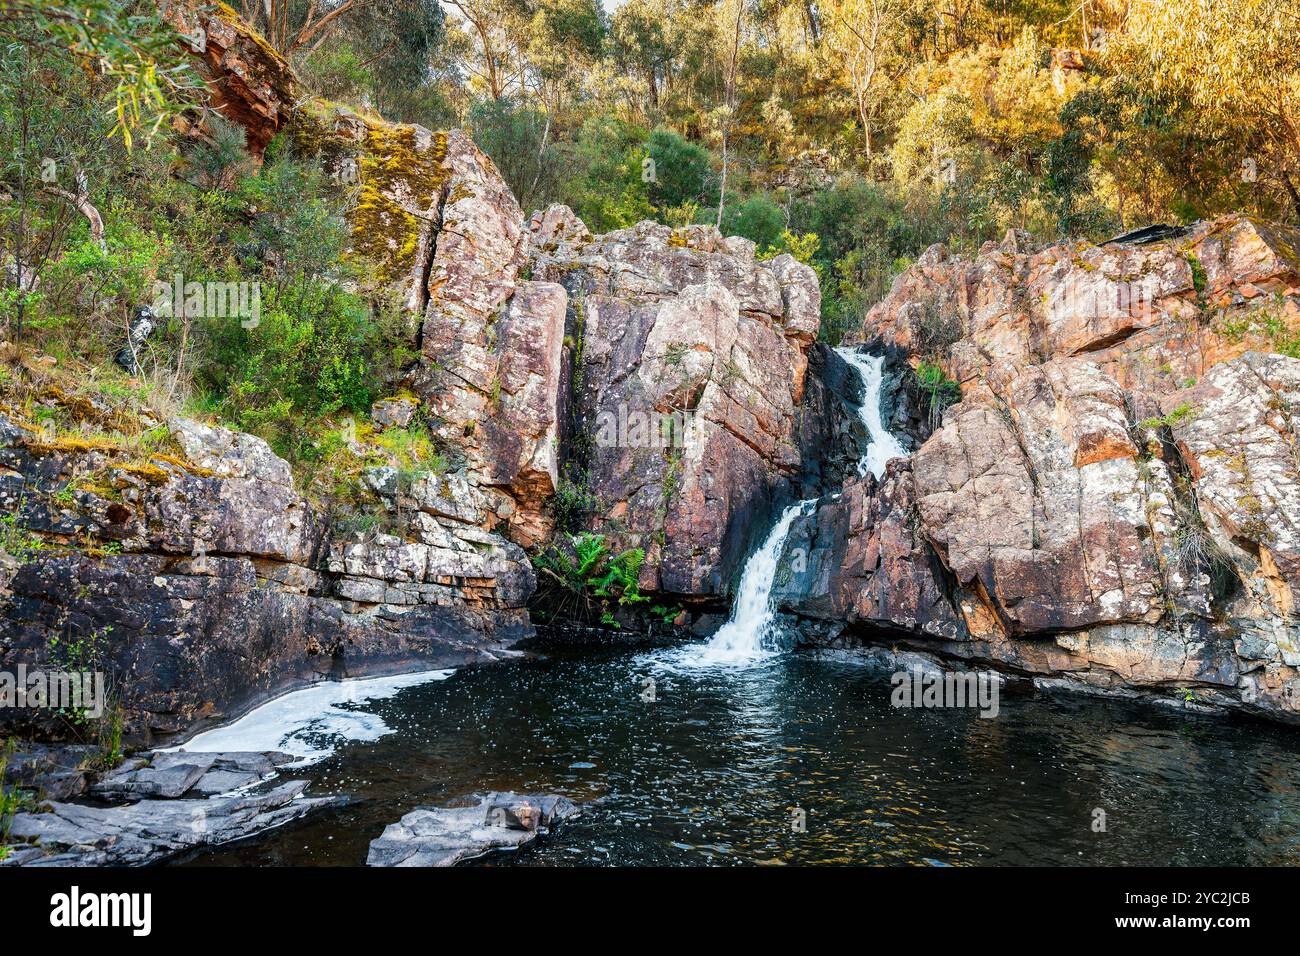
<point>711,771</point>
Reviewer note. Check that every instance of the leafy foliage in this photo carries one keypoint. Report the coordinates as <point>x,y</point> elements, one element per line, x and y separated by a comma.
<point>940,390</point>
<point>137,54</point>
<point>12,798</point>
<point>597,584</point>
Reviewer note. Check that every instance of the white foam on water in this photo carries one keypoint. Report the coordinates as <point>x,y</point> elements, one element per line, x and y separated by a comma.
<point>884,445</point>
<point>750,635</point>
<point>311,723</point>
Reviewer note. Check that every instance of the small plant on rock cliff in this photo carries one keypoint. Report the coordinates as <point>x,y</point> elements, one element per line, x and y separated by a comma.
<point>215,163</point>
<point>593,582</point>
<point>940,390</point>
<point>79,653</point>
<point>572,501</point>
<point>109,731</point>
<point>1199,279</point>
<point>1183,413</point>
<point>12,799</point>
<point>667,614</point>
<point>15,540</point>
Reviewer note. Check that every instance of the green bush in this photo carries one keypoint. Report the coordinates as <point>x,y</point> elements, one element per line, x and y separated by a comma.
<point>595,584</point>
<point>517,139</point>
<point>606,187</point>
<point>682,170</point>
<point>299,230</point>
<point>757,218</point>
<point>336,72</point>
<point>866,237</point>
<point>316,351</point>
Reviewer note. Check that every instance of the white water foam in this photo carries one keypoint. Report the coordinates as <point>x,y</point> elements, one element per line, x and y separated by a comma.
<point>751,633</point>
<point>311,723</point>
<point>884,445</point>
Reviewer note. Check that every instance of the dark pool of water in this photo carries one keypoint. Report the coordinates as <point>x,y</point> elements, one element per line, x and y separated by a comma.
<point>713,769</point>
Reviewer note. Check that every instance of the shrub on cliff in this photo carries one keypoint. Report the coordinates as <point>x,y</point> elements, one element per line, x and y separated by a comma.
<point>582,581</point>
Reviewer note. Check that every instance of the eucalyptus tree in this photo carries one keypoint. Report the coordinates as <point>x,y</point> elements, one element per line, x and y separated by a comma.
<point>1237,64</point>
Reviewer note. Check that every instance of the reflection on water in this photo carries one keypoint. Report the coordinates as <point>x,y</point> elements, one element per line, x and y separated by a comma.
<point>712,769</point>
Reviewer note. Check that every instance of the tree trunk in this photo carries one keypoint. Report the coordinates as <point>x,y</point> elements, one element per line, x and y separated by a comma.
<point>1292,191</point>
<point>81,200</point>
<point>722,191</point>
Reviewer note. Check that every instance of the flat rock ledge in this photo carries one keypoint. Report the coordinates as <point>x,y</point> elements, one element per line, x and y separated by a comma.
<point>176,802</point>
<point>444,836</point>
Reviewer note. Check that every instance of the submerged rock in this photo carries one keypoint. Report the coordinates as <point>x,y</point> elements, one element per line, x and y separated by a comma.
<point>444,836</point>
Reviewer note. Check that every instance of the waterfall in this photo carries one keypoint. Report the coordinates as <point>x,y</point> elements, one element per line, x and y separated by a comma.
<point>750,633</point>
<point>884,445</point>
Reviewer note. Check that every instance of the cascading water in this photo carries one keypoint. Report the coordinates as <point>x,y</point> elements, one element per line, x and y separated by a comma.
<point>750,634</point>
<point>884,445</point>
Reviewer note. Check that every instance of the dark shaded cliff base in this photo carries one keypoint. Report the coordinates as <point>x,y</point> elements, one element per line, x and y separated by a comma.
<point>205,585</point>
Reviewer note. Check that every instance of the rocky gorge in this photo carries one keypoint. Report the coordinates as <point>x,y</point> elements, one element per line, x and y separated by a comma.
<point>1111,504</point>
<point>1100,490</point>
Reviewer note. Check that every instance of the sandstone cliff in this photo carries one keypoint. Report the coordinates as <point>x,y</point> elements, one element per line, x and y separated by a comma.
<point>1114,499</point>
<point>204,580</point>
<point>684,327</point>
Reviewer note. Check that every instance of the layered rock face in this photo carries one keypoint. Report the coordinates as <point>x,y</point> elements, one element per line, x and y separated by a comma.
<point>204,584</point>
<point>207,582</point>
<point>660,369</point>
<point>491,344</point>
<point>435,221</point>
<point>249,83</point>
<point>1113,500</point>
<point>686,360</point>
<point>1149,315</point>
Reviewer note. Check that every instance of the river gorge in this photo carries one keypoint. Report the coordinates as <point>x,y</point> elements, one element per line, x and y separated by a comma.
<point>627,561</point>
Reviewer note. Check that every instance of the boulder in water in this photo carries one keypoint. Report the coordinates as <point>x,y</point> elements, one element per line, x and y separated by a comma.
<point>444,836</point>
